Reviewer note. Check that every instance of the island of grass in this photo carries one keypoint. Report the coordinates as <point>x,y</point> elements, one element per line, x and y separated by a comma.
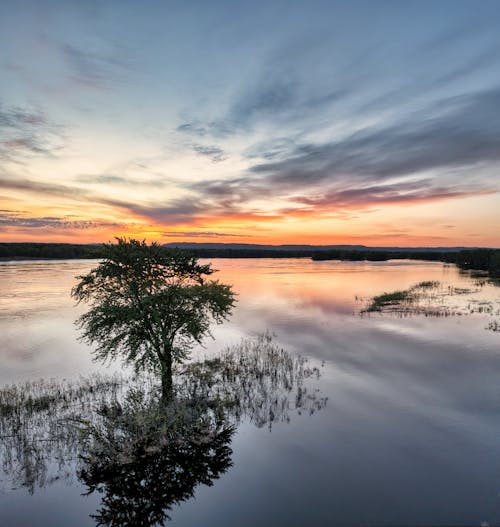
<point>399,299</point>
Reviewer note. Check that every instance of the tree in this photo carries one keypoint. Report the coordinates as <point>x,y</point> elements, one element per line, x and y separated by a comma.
<point>149,305</point>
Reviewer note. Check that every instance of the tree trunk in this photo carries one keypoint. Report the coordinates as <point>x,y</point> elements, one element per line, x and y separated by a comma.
<point>166,379</point>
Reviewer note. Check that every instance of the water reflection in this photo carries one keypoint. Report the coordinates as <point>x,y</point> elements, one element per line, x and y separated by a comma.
<point>409,435</point>
<point>144,457</point>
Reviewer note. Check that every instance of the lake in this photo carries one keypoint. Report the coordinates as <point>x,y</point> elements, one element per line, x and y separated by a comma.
<point>410,434</point>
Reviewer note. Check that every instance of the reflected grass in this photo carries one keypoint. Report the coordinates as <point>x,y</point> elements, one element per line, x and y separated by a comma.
<point>401,299</point>
<point>58,429</point>
<point>436,299</point>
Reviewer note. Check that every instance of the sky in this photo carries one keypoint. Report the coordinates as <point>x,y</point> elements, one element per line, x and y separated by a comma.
<point>272,122</point>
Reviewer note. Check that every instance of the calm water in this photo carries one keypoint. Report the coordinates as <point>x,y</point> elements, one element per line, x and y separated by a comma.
<point>410,434</point>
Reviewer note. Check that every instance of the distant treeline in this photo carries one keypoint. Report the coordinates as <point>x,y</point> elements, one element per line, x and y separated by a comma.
<point>202,252</point>
<point>53,251</point>
<point>484,259</point>
<point>480,259</point>
<point>12,251</point>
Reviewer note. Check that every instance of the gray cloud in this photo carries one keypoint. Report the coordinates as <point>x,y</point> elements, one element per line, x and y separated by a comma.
<point>385,194</point>
<point>93,68</point>
<point>275,98</point>
<point>14,219</point>
<point>24,133</point>
<point>51,189</point>
<point>462,131</point>
<point>192,128</point>
<point>214,153</point>
<point>380,165</point>
<point>268,98</point>
<point>413,160</point>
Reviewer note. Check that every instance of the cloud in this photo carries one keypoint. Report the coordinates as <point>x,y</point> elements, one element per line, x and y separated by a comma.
<point>174,212</point>
<point>199,234</point>
<point>96,67</point>
<point>399,193</point>
<point>111,179</point>
<point>16,220</point>
<point>416,159</point>
<point>383,165</point>
<point>269,97</point>
<point>461,131</point>
<point>27,132</point>
<point>192,128</point>
<point>51,189</point>
<point>214,153</point>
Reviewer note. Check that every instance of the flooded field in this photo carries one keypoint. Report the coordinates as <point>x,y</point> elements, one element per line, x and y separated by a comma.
<point>405,424</point>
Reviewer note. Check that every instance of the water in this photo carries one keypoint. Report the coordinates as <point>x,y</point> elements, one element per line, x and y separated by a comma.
<point>410,433</point>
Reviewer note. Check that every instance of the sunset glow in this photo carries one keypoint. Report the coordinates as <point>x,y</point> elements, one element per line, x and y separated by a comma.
<point>238,122</point>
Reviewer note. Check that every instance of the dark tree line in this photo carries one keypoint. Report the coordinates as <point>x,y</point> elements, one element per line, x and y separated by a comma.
<point>50,251</point>
<point>382,256</point>
<point>481,259</point>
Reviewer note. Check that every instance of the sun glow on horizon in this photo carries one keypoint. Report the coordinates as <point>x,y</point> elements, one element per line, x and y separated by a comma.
<point>182,131</point>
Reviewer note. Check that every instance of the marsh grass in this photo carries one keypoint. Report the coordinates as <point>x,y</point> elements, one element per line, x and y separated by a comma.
<point>48,427</point>
<point>435,299</point>
<point>399,300</point>
<point>40,426</point>
<point>258,380</point>
<point>385,300</point>
<point>494,326</point>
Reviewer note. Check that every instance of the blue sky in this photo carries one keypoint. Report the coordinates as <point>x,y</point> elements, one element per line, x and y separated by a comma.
<point>259,121</point>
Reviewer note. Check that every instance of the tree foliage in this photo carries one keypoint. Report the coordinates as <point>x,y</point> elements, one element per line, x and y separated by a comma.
<point>149,305</point>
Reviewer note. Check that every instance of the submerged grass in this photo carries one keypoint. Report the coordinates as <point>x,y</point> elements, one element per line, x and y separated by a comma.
<point>384,300</point>
<point>401,299</point>
<point>494,326</point>
<point>45,426</point>
<point>432,298</point>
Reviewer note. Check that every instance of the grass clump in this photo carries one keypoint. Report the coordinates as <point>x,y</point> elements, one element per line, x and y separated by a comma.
<point>385,300</point>
<point>427,284</point>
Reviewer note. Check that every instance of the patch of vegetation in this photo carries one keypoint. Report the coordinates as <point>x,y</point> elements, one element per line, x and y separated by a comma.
<point>494,326</point>
<point>432,298</point>
<point>117,436</point>
<point>428,284</point>
<point>385,300</point>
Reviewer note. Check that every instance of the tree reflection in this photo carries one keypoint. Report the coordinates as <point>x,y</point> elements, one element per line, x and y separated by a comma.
<point>145,459</point>
<point>142,456</point>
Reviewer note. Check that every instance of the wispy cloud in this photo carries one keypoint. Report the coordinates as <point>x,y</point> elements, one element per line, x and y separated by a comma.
<point>18,220</point>
<point>27,132</point>
<point>409,162</point>
<point>125,181</point>
<point>198,234</point>
<point>94,68</point>
<point>214,153</point>
<point>460,131</point>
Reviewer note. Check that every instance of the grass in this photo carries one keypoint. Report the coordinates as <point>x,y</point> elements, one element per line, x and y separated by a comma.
<point>45,426</point>
<point>434,299</point>
<point>427,284</point>
<point>400,299</point>
<point>396,298</point>
<point>494,326</point>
